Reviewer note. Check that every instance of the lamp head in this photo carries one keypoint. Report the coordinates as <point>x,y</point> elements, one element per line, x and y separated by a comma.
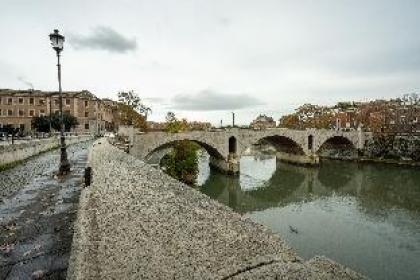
<point>57,41</point>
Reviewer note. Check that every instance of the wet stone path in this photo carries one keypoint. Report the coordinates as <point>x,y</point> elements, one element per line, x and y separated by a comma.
<point>37,211</point>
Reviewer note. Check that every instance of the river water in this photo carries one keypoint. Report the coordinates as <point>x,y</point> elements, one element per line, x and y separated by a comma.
<point>366,217</point>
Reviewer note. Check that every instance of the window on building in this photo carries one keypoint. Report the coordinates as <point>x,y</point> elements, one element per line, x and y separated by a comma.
<point>86,103</point>
<point>41,102</point>
<point>31,100</point>
<point>0,112</point>
<point>56,102</point>
<point>56,111</point>
<point>0,100</point>
<point>22,127</point>
<point>9,101</point>
<point>21,113</point>
<point>67,112</point>
<point>41,112</point>
<point>86,114</point>
<point>10,112</point>
<point>67,101</point>
<point>20,100</point>
<point>31,113</point>
<point>86,126</point>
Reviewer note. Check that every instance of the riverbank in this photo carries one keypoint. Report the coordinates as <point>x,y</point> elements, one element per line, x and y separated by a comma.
<point>362,160</point>
<point>136,222</point>
<point>37,212</point>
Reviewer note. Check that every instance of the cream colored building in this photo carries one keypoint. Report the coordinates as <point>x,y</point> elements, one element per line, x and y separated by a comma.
<point>263,122</point>
<point>18,107</point>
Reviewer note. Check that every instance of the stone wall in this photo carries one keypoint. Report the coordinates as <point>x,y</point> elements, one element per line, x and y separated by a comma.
<point>136,222</point>
<point>17,152</point>
<point>399,148</point>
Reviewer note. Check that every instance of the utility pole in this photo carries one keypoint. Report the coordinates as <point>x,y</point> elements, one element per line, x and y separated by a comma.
<point>233,119</point>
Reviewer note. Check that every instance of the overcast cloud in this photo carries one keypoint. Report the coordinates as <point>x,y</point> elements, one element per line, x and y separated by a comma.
<point>104,38</point>
<point>208,100</point>
<point>267,56</point>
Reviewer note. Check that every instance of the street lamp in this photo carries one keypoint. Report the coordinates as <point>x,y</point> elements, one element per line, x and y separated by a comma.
<point>57,41</point>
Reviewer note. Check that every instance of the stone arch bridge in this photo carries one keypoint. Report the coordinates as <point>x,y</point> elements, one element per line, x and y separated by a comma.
<point>225,147</point>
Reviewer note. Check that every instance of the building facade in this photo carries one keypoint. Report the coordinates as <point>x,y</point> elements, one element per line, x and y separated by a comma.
<point>263,122</point>
<point>19,107</point>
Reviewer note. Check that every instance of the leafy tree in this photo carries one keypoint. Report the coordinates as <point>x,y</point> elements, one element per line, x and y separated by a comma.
<point>130,98</point>
<point>128,116</point>
<point>69,121</point>
<point>42,123</point>
<point>133,100</point>
<point>289,121</point>
<point>182,162</point>
<point>173,125</point>
<point>309,116</point>
<point>132,110</point>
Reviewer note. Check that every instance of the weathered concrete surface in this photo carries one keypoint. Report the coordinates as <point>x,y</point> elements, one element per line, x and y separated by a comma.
<point>21,151</point>
<point>135,222</point>
<point>36,217</point>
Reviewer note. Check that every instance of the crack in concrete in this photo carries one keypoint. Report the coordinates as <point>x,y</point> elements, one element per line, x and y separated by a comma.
<point>248,268</point>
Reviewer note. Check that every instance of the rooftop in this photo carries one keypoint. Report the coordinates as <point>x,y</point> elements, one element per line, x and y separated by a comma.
<point>39,93</point>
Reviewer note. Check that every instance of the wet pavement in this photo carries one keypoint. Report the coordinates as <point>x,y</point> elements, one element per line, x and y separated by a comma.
<point>37,211</point>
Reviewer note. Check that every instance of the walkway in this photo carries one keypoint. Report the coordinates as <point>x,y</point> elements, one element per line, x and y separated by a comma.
<point>37,214</point>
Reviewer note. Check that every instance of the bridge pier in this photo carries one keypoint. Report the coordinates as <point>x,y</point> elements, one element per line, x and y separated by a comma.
<point>312,160</point>
<point>229,166</point>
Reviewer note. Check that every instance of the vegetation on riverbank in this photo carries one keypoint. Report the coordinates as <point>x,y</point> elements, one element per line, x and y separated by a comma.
<point>182,162</point>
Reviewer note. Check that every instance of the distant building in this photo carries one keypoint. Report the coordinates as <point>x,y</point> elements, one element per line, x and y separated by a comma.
<point>346,120</point>
<point>156,126</point>
<point>195,125</point>
<point>18,107</point>
<point>263,122</point>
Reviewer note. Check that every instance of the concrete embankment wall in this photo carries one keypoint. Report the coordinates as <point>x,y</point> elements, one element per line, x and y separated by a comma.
<point>135,222</point>
<point>17,152</point>
<point>298,159</point>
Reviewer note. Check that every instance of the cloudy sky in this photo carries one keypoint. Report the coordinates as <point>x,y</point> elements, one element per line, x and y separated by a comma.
<point>205,59</point>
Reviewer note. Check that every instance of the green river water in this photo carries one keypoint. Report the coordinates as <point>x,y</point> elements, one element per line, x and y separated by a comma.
<point>366,217</point>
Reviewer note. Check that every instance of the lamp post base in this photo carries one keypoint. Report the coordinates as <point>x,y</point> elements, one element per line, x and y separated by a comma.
<point>64,162</point>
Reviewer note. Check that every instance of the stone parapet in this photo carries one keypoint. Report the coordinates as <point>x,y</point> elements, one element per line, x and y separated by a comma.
<point>136,222</point>
<point>10,154</point>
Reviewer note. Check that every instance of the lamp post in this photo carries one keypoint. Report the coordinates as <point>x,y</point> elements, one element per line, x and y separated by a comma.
<point>57,41</point>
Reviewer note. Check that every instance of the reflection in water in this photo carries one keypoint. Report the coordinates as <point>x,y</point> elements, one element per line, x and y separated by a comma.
<point>364,216</point>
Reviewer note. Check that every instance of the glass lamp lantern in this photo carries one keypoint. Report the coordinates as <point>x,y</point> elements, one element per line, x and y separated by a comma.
<point>57,40</point>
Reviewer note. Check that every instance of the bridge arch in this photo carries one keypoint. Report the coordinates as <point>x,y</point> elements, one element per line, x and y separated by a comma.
<point>283,143</point>
<point>337,146</point>
<point>210,149</point>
